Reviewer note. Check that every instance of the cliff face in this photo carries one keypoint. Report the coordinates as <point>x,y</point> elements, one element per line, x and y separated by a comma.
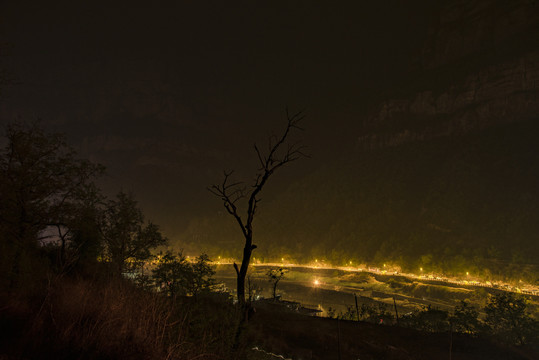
<point>471,27</point>
<point>450,168</point>
<point>446,175</point>
<point>480,68</point>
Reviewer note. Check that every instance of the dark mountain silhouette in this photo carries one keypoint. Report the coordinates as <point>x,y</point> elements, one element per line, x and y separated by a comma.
<point>444,172</point>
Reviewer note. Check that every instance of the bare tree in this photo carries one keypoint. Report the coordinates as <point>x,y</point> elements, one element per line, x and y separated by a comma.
<point>280,152</point>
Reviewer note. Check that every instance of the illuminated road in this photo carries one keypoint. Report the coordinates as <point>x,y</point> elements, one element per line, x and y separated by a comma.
<point>524,289</point>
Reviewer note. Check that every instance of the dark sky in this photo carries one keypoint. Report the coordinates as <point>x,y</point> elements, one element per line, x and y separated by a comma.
<point>166,96</point>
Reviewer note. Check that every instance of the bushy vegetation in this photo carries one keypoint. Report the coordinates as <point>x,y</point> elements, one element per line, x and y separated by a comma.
<point>64,252</point>
<point>508,319</point>
<point>174,275</point>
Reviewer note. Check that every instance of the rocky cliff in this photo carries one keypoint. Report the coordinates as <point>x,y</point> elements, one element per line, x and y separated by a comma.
<point>480,67</point>
<point>445,175</point>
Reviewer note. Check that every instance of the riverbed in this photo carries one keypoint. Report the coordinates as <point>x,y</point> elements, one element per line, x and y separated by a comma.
<point>329,290</point>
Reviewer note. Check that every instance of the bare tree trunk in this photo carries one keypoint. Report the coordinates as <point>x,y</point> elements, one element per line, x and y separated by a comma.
<point>280,153</point>
<point>242,272</point>
<point>396,311</point>
<point>240,284</point>
<point>249,290</point>
<point>62,245</point>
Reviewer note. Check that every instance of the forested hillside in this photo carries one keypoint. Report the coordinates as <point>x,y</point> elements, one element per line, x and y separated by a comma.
<point>443,173</point>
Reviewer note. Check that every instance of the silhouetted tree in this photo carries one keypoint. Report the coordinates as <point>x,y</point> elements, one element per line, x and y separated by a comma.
<point>509,320</point>
<point>465,319</point>
<point>170,272</point>
<point>41,182</point>
<point>180,277</point>
<point>126,236</point>
<point>200,278</point>
<point>280,152</point>
<point>85,241</point>
<point>428,319</point>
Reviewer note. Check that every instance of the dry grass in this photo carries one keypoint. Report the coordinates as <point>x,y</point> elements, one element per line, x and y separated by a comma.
<point>81,319</point>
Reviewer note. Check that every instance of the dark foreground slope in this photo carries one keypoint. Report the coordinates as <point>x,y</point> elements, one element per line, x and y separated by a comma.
<point>304,337</point>
<point>81,319</point>
<point>74,318</point>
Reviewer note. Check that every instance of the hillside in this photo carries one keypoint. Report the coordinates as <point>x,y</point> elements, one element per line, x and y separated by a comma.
<point>443,173</point>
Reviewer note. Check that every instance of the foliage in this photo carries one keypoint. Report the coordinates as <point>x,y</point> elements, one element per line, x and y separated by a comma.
<point>42,183</point>
<point>508,319</point>
<point>169,272</point>
<point>465,319</point>
<point>331,313</point>
<point>180,277</point>
<point>427,319</point>
<point>378,314</point>
<point>349,314</point>
<point>127,238</point>
<point>200,276</point>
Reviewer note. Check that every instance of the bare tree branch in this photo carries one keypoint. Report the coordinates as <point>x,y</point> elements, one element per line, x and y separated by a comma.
<point>280,152</point>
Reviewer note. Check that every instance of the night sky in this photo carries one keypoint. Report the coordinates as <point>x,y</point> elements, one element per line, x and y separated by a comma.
<point>167,96</point>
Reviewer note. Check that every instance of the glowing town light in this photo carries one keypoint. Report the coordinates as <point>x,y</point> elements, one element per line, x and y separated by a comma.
<point>421,269</point>
<point>467,273</point>
<point>350,262</point>
<point>316,282</point>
